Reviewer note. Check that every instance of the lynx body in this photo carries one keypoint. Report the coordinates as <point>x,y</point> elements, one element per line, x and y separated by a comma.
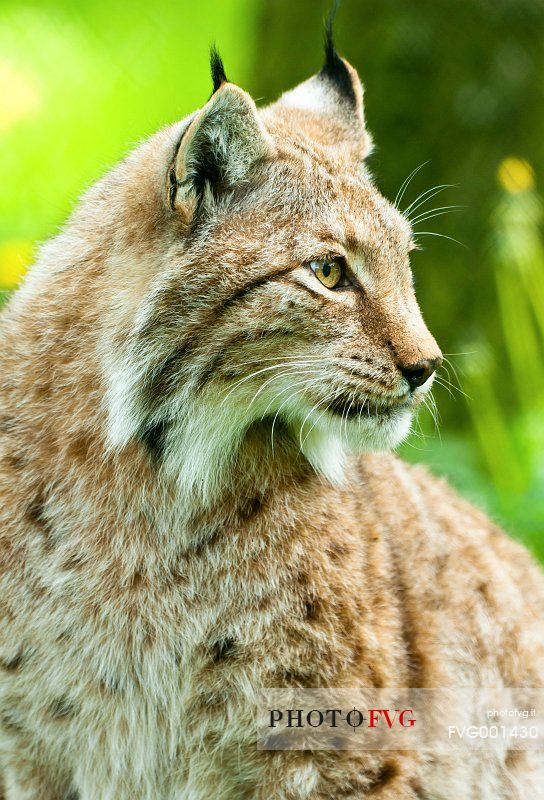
<point>194,377</point>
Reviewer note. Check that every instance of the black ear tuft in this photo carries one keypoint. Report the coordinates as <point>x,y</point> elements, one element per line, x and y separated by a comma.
<point>217,68</point>
<point>334,69</point>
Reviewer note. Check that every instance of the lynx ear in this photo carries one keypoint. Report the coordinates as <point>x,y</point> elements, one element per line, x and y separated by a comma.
<point>335,90</point>
<point>221,145</point>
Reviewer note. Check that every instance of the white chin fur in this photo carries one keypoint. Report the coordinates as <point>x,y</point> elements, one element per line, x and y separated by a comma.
<point>331,439</point>
<point>202,454</point>
<point>204,436</point>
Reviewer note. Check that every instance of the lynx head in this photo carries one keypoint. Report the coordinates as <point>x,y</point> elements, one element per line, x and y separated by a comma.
<point>264,289</point>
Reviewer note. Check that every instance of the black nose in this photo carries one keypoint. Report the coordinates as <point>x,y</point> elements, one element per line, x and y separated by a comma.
<point>417,374</point>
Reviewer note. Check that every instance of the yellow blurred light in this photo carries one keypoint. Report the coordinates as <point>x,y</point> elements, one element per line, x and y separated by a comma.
<point>19,96</point>
<point>515,175</point>
<point>15,257</point>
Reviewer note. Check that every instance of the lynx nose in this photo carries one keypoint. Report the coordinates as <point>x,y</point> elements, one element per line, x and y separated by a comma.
<point>417,374</point>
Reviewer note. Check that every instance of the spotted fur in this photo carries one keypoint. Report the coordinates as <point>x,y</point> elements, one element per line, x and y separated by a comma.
<point>190,513</point>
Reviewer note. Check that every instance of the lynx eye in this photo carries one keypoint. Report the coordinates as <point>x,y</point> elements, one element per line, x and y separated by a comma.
<point>328,271</point>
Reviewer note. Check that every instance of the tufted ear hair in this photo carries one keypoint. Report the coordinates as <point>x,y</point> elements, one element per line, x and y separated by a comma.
<point>221,145</point>
<point>335,90</point>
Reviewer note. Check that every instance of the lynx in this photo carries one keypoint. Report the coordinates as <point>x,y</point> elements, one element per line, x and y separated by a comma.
<point>201,379</point>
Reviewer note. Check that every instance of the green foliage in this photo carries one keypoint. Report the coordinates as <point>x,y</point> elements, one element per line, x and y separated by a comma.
<point>82,81</point>
<point>508,422</point>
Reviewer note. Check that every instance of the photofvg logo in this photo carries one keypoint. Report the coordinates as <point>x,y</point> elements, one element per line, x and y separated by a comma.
<point>392,719</point>
<point>337,718</point>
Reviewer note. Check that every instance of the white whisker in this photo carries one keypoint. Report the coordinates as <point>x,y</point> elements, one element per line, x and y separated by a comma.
<point>305,384</point>
<point>301,363</point>
<point>282,391</point>
<point>441,236</point>
<point>278,358</point>
<point>277,377</point>
<point>434,212</point>
<point>325,400</point>
<point>424,197</point>
<point>405,183</point>
<point>449,363</point>
<point>450,387</point>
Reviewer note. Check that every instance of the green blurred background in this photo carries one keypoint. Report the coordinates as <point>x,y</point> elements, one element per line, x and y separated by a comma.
<point>455,87</point>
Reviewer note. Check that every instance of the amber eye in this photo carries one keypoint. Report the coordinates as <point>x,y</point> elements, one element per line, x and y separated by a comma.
<point>328,271</point>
